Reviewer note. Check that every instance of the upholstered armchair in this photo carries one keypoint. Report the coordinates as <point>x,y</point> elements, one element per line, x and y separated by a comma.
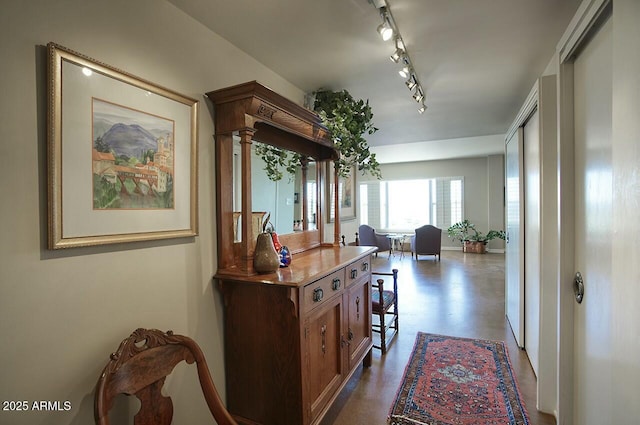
<point>369,237</point>
<point>426,241</point>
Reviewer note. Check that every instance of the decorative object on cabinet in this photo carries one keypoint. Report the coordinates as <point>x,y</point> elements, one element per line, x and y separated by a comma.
<point>265,258</point>
<point>385,303</point>
<point>426,241</point>
<point>140,367</point>
<point>346,194</point>
<point>472,240</point>
<point>137,173</point>
<point>368,236</point>
<point>285,256</point>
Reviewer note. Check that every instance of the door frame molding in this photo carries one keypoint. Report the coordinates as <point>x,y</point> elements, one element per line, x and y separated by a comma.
<point>576,35</point>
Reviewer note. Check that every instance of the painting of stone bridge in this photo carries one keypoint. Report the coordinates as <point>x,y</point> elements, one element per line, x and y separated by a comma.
<point>132,158</point>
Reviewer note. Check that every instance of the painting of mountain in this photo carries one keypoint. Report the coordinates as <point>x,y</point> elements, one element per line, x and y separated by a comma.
<point>132,158</point>
<point>128,131</point>
<point>129,140</point>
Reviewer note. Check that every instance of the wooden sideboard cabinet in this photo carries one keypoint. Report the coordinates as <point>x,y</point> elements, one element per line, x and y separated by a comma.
<point>293,338</point>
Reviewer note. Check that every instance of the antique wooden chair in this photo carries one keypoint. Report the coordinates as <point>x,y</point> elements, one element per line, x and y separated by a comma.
<point>139,368</point>
<point>384,302</point>
<point>354,243</point>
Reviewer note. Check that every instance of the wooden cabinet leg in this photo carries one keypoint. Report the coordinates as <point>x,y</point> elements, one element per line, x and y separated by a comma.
<point>366,362</point>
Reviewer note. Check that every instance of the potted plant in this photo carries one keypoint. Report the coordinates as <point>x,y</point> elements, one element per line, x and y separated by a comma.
<point>348,120</point>
<point>473,240</point>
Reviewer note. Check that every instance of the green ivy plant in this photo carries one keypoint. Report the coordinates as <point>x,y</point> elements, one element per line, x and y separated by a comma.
<point>277,159</point>
<point>347,120</point>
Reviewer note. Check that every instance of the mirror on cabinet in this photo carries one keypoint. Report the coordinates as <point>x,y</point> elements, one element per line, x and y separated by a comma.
<point>289,202</point>
<point>248,114</point>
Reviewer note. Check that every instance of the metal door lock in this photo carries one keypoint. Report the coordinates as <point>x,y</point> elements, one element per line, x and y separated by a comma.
<point>578,287</point>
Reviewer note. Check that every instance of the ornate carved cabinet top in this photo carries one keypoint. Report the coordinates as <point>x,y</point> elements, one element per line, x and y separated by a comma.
<point>277,120</point>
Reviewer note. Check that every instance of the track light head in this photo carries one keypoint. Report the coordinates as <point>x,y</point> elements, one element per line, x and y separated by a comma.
<point>396,56</point>
<point>419,95</point>
<point>422,108</point>
<point>405,71</point>
<point>411,82</point>
<point>385,30</point>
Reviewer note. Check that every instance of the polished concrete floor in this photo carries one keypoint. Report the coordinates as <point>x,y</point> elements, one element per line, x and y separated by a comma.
<point>461,295</point>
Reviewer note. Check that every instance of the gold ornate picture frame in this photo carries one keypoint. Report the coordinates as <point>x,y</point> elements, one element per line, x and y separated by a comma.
<point>122,156</point>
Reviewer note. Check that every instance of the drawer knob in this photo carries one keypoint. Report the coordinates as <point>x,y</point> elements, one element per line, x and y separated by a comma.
<point>335,285</point>
<point>365,267</point>
<point>317,295</point>
<point>354,273</point>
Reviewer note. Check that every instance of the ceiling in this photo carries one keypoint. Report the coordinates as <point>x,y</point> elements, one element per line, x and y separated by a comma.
<point>476,59</point>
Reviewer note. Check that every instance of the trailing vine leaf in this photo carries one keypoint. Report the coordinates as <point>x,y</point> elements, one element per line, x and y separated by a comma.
<point>348,120</point>
<point>276,160</point>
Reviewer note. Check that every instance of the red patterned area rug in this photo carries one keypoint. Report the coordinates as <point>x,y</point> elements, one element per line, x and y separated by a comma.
<point>458,381</point>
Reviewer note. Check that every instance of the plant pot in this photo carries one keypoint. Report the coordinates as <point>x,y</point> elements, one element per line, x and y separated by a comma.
<point>474,247</point>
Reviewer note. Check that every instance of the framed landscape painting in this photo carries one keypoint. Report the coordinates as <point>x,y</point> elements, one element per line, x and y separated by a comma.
<point>122,156</point>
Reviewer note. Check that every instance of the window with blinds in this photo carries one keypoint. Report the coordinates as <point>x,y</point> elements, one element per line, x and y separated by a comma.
<point>404,205</point>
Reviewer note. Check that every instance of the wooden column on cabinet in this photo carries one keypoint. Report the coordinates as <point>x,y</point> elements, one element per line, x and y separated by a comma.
<point>248,237</point>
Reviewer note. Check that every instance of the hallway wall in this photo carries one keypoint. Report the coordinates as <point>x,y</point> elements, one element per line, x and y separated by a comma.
<point>63,312</point>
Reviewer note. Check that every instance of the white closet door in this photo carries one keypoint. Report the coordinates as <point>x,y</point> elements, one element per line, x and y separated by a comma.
<point>514,299</point>
<point>593,196</point>
<point>531,223</point>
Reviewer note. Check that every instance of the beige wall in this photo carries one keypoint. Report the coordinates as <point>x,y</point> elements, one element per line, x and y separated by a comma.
<point>62,313</point>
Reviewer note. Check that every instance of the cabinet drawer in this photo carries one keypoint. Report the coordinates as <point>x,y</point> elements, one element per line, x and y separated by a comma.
<point>314,294</point>
<point>357,269</point>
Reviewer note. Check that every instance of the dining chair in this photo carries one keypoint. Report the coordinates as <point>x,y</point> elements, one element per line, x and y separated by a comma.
<point>384,307</point>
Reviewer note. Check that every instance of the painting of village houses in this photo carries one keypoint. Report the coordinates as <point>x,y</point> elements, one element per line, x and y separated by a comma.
<point>133,158</point>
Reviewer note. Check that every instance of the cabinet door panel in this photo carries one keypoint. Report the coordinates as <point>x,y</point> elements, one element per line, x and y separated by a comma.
<point>359,325</point>
<point>324,354</point>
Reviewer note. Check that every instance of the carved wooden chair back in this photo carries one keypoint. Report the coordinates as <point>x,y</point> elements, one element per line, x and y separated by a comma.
<point>140,367</point>
<point>384,305</point>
